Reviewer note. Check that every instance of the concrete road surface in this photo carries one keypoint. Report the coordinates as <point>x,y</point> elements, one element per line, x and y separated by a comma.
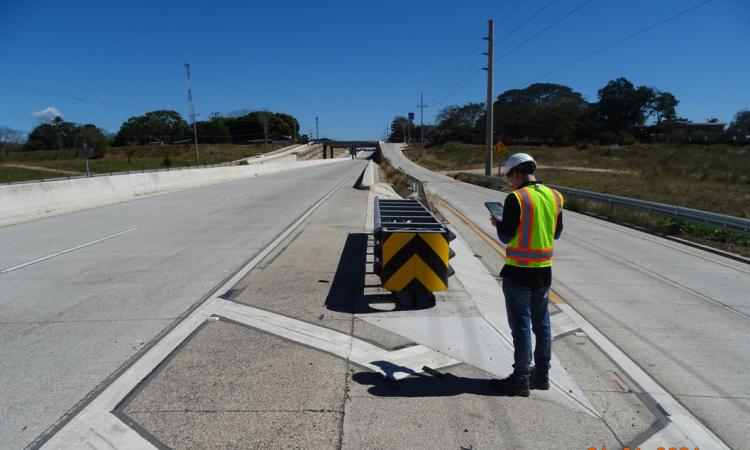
<point>682,313</point>
<point>82,293</point>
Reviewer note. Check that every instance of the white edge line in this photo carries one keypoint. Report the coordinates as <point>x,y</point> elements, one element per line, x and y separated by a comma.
<point>72,249</point>
<point>679,416</point>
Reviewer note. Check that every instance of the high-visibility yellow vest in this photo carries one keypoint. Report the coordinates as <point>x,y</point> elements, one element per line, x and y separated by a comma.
<point>532,244</point>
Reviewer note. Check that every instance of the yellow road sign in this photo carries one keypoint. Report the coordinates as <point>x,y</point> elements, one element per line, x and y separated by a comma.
<point>499,149</point>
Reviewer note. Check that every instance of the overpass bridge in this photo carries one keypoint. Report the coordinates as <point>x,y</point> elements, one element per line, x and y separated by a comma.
<point>328,146</point>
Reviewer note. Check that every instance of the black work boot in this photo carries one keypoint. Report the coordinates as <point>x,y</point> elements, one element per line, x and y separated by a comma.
<point>539,379</point>
<point>511,386</point>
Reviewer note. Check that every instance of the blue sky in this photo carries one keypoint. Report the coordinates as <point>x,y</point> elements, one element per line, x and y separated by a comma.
<point>353,64</point>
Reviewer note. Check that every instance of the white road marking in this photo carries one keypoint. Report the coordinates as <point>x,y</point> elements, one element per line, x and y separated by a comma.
<point>398,364</point>
<point>101,431</point>
<point>683,427</point>
<point>94,426</point>
<point>484,290</point>
<point>486,294</point>
<point>72,249</point>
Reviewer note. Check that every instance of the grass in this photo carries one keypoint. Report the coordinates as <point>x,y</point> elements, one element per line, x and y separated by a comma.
<point>706,177</point>
<point>122,159</point>
<point>396,178</point>
<point>712,178</point>
<point>12,175</point>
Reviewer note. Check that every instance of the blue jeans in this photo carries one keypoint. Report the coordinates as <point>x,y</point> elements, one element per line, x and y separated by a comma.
<point>527,311</point>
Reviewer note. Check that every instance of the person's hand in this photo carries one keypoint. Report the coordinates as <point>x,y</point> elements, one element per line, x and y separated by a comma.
<point>495,219</point>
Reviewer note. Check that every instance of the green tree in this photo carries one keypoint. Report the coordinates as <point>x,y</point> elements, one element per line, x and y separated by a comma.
<point>622,106</point>
<point>740,126</point>
<point>247,127</point>
<point>461,123</point>
<point>214,130</point>
<point>285,125</point>
<point>10,139</point>
<point>67,135</point>
<point>542,111</point>
<point>42,137</point>
<point>399,125</point>
<point>663,106</point>
<point>56,135</point>
<point>94,137</point>
<point>163,126</point>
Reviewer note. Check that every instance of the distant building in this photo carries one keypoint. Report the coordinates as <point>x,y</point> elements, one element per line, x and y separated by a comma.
<point>681,132</point>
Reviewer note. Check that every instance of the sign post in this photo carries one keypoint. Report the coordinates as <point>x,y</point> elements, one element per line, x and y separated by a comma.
<point>86,158</point>
<point>500,150</point>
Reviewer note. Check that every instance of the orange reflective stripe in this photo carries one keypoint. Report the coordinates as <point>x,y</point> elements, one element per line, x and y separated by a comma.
<point>526,227</point>
<point>521,208</point>
<point>526,254</point>
<point>530,250</point>
<point>519,259</point>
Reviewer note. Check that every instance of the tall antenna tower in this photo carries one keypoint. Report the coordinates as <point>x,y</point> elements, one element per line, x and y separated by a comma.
<point>317,134</point>
<point>192,112</point>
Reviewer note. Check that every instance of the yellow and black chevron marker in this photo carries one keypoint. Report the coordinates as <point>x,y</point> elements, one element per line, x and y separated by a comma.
<point>412,250</point>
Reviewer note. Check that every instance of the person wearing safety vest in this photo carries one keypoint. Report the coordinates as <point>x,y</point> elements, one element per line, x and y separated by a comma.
<point>531,221</point>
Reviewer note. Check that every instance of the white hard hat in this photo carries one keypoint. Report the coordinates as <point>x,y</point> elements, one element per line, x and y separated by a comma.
<point>517,159</point>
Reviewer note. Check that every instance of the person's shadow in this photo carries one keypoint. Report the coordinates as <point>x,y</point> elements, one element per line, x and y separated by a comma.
<point>419,384</point>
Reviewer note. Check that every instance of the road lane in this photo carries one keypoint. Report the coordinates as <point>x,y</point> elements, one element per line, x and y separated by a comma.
<point>680,312</point>
<point>68,322</point>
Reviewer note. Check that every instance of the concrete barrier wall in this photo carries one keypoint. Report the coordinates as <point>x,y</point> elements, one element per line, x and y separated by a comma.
<point>370,176</point>
<point>22,202</point>
<point>309,152</point>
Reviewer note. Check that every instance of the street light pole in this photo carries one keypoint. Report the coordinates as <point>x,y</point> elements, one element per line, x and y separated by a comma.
<point>192,113</point>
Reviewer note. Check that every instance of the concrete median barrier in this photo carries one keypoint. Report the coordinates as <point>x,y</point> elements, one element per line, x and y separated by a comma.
<point>369,177</point>
<point>27,201</point>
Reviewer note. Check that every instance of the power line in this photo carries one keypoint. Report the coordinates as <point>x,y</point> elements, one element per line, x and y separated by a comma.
<point>502,7</point>
<point>621,40</point>
<point>71,97</point>
<point>544,30</point>
<point>512,10</point>
<point>462,85</point>
<point>519,26</point>
<point>477,40</point>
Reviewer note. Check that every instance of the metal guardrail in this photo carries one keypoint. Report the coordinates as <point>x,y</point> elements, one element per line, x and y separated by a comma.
<point>737,224</point>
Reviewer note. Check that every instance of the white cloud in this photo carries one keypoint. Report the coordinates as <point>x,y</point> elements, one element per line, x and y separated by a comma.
<point>47,114</point>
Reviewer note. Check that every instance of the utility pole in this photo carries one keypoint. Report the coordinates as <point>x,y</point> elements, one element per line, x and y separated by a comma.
<point>265,132</point>
<point>488,139</point>
<point>192,113</point>
<point>421,106</point>
<point>317,133</point>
